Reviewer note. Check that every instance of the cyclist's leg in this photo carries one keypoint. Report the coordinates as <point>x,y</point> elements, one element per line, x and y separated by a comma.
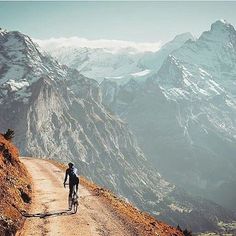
<point>77,186</point>
<point>71,187</point>
<point>70,194</point>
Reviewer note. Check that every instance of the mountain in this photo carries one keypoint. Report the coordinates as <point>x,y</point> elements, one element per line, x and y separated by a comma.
<point>184,115</point>
<point>119,65</point>
<point>56,112</point>
<point>98,62</point>
<point>153,61</point>
<point>212,56</point>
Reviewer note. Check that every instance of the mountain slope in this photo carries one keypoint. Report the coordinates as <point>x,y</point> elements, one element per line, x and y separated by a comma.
<point>154,61</point>
<point>185,115</point>
<point>204,92</point>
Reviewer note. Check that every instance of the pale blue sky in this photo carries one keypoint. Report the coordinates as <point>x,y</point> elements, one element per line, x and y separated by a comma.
<point>133,21</point>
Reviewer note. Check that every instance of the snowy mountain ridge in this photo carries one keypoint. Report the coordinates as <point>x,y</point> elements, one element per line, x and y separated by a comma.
<point>208,65</point>
<point>120,65</point>
<point>185,114</point>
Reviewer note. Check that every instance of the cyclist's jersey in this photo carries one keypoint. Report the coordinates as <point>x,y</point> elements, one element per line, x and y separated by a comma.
<point>72,172</point>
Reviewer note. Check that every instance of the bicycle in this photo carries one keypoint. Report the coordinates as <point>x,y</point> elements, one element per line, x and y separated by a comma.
<point>73,200</point>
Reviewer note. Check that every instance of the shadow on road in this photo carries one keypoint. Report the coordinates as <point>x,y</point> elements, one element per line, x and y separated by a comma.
<point>47,214</point>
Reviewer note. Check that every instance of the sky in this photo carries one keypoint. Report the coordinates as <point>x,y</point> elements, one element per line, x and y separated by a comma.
<point>129,21</point>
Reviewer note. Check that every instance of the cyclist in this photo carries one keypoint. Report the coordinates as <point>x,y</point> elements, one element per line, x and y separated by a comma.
<point>73,179</point>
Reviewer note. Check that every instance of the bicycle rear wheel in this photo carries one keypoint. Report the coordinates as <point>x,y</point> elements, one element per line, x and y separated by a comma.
<point>75,207</point>
<point>70,203</point>
<point>75,202</point>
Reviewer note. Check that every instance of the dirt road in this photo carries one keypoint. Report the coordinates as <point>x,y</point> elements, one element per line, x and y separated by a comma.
<point>49,213</point>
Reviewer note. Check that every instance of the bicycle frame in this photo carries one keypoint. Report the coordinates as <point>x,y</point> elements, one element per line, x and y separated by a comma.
<point>73,200</point>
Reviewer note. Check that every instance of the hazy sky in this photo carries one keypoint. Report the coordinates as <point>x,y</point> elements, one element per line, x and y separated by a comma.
<point>132,21</point>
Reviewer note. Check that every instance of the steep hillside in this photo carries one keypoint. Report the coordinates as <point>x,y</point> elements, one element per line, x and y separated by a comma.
<point>15,188</point>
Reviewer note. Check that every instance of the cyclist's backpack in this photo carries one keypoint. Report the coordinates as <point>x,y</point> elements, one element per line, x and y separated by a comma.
<point>73,173</point>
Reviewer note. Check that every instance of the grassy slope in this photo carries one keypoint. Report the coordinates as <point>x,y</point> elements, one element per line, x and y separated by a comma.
<point>15,190</point>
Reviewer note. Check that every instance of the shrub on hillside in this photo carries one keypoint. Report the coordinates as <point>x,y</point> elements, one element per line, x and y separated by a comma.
<point>9,134</point>
<point>185,232</point>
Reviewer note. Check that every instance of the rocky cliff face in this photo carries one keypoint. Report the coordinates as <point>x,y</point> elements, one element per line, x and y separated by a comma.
<point>57,113</point>
<point>184,116</point>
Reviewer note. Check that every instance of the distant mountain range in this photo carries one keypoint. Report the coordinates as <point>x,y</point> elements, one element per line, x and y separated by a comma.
<point>120,66</point>
<point>57,112</point>
<point>184,115</point>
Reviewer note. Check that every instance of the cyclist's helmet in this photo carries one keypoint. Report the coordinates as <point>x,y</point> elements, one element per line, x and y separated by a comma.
<point>70,164</point>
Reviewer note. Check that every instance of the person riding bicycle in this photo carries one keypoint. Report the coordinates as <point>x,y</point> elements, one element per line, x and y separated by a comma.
<point>73,179</point>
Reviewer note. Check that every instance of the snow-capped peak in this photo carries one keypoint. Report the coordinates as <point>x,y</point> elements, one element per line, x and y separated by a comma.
<point>221,32</point>
<point>2,32</point>
<point>222,25</point>
<point>22,64</point>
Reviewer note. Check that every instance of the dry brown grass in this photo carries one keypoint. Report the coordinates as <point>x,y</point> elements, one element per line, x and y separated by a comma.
<point>140,223</point>
<point>15,187</point>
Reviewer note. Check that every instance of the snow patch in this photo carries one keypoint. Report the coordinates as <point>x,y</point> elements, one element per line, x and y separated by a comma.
<point>114,77</point>
<point>141,73</point>
<point>17,85</point>
<point>231,225</point>
<point>179,208</point>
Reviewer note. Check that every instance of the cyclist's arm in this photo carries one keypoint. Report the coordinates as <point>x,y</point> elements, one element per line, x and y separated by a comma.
<point>66,175</point>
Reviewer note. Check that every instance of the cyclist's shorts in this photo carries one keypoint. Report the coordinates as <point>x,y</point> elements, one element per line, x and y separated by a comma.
<point>74,181</point>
